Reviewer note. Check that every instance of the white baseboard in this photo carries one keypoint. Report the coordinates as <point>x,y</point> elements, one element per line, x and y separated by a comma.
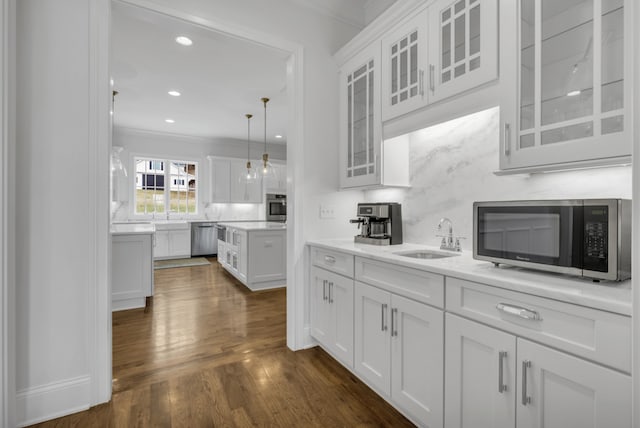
<point>53,400</point>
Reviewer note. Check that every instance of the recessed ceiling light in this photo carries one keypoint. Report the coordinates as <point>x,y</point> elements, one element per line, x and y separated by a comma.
<point>169,120</point>
<point>174,93</point>
<point>184,41</point>
<point>278,136</point>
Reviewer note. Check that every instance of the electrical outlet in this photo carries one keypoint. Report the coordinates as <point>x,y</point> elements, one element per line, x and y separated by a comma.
<point>327,211</point>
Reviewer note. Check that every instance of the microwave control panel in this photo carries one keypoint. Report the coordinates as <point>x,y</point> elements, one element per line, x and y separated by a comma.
<point>596,238</point>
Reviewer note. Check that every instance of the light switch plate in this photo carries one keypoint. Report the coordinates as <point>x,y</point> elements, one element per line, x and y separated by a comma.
<point>327,211</point>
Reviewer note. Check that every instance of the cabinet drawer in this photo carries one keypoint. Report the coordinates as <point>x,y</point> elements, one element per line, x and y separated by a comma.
<point>335,261</point>
<point>589,333</point>
<point>415,284</point>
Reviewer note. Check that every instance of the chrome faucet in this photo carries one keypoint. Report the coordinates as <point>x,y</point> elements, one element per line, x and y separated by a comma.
<point>447,242</point>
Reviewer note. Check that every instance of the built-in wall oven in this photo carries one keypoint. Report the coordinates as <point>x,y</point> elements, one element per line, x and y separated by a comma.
<point>276,207</point>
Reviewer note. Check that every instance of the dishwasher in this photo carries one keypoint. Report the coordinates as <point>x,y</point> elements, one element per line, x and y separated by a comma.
<point>204,239</point>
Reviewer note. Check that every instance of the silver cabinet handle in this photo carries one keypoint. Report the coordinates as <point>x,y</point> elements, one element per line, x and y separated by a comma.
<point>324,290</point>
<point>331,292</point>
<point>507,139</point>
<point>422,83</point>
<point>519,311</point>
<point>394,322</point>
<point>502,387</point>
<point>384,310</point>
<point>432,78</point>
<point>330,259</point>
<point>525,398</point>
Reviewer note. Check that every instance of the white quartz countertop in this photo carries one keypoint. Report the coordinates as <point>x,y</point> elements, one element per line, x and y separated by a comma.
<point>606,295</point>
<point>254,225</point>
<point>132,228</point>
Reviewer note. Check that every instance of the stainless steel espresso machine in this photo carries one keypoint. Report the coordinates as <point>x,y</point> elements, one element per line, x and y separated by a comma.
<point>380,223</point>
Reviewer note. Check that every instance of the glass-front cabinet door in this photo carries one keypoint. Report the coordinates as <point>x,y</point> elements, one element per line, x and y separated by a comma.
<point>463,46</point>
<point>360,119</point>
<point>572,81</point>
<point>404,55</point>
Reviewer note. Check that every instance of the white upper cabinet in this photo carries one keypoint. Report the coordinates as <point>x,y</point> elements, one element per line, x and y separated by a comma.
<point>438,52</point>
<point>227,186</point>
<point>360,119</point>
<point>463,46</point>
<point>404,53</point>
<point>573,84</point>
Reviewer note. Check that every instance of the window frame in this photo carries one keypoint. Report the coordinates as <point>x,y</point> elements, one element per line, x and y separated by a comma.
<point>167,162</point>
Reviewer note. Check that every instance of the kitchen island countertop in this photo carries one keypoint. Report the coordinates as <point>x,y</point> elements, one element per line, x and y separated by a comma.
<point>254,225</point>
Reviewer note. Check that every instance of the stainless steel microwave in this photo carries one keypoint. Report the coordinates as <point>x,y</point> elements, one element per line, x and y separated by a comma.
<point>584,237</point>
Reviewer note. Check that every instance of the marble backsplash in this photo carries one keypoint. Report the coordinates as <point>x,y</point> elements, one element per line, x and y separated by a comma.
<point>452,166</point>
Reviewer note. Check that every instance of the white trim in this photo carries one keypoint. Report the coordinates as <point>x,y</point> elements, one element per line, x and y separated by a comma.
<point>7,215</point>
<point>373,32</point>
<point>634,13</point>
<point>45,402</point>
<point>99,155</point>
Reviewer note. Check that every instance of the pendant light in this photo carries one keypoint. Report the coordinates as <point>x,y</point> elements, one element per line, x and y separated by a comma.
<point>249,175</point>
<point>267,170</point>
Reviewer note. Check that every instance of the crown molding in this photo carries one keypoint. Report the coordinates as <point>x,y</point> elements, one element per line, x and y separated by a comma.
<point>396,13</point>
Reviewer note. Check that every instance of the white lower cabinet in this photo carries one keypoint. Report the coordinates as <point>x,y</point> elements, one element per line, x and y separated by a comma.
<point>399,352</point>
<point>332,313</point>
<point>131,270</point>
<point>495,379</point>
<point>480,373</point>
<point>558,390</point>
<point>173,244</point>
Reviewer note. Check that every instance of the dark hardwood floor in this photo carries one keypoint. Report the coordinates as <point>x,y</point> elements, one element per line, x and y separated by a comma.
<point>210,353</point>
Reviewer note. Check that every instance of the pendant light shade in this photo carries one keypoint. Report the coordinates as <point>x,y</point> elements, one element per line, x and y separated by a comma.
<point>249,175</point>
<point>267,170</point>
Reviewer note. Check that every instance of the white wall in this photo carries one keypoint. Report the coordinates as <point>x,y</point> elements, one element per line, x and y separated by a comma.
<point>452,166</point>
<point>179,147</point>
<point>61,206</point>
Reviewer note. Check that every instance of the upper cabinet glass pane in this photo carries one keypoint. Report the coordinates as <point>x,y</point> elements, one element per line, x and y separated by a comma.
<point>567,60</point>
<point>612,40</point>
<point>527,65</point>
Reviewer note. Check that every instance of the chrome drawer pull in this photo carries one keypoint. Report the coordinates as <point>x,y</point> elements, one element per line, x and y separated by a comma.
<point>324,290</point>
<point>525,398</point>
<point>519,311</point>
<point>330,259</point>
<point>394,322</point>
<point>501,385</point>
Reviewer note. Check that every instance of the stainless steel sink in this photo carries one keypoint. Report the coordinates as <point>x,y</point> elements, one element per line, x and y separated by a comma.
<point>425,254</point>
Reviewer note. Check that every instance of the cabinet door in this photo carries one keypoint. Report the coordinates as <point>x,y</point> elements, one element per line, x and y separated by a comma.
<point>341,317</point>
<point>573,85</point>
<point>360,124</point>
<point>180,243</point>
<point>480,375</point>
<point>417,332</point>
<point>268,255</point>
<point>319,306</point>
<point>162,244</point>
<point>404,54</point>
<point>242,252</point>
<point>463,46</point>
<point>558,391</point>
<point>278,182</point>
<point>241,191</point>
<point>220,180</point>
<point>372,338</point>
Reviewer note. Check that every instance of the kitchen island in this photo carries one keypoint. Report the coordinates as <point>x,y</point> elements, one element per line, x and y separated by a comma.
<point>131,265</point>
<point>255,253</point>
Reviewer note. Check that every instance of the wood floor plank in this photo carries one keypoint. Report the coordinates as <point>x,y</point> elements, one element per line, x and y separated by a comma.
<point>211,353</point>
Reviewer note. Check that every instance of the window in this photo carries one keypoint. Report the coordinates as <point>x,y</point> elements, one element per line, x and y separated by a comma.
<point>151,194</point>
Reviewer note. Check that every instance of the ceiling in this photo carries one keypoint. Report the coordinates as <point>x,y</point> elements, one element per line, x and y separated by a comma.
<point>220,79</point>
